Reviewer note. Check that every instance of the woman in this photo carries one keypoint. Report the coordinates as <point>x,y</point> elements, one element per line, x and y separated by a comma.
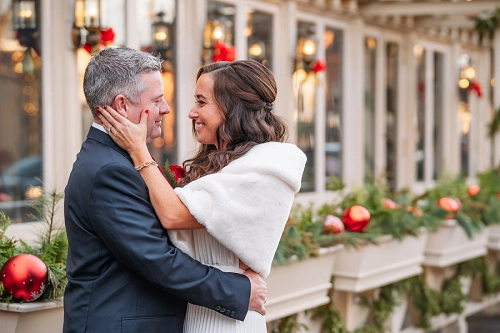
<point>230,209</point>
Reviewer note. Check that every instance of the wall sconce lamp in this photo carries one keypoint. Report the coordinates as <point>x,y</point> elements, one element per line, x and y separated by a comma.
<point>25,22</point>
<point>86,29</point>
<point>306,47</point>
<point>217,31</point>
<point>162,36</point>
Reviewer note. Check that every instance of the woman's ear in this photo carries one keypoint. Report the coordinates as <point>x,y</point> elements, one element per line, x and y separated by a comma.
<point>120,104</point>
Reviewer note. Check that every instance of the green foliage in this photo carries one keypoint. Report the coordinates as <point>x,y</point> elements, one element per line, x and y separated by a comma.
<point>425,299</point>
<point>332,321</point>
<point>51,245</point>
<point>7,245</point>
<point>456,187</point>
<point>486,24</point>
<point>288,324</point>
<point>303,236</point>
<point>169,173</point>
<point>494,125</point>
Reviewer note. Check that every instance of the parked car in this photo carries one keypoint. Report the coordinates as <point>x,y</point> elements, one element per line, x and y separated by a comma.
<point>19,180</point>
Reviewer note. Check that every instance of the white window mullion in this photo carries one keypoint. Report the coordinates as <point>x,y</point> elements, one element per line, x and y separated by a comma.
<point>429,116</point>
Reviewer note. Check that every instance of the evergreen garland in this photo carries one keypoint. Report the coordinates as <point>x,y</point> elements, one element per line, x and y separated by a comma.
<point>486,24</point>
<point>51,246</point>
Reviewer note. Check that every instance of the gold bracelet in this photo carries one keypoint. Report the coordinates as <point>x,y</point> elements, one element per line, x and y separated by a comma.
<point>143,165</point>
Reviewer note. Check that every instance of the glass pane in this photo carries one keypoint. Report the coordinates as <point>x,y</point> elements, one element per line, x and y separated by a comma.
<point>158,25</point>
<point>467,75</point>
<point>420,149</point>
<point>438,114</point>
<point>21,168</point>
<point>369,126</point>
<point>392,62</point>
<point>219,28</point>
<point>260,37</point>
<point>304,86</point>
<point>334,107</point>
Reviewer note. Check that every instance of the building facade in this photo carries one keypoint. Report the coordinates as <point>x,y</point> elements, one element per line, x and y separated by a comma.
<point>400,89</point>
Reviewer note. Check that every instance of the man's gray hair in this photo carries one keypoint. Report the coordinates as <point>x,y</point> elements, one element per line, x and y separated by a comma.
<point>115,71</point>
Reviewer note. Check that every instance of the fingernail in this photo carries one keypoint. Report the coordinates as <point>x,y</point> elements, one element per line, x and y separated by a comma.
<point>146,111</point>
<point>98,114</point>
<point>97,107</point>
<point>106,107</point>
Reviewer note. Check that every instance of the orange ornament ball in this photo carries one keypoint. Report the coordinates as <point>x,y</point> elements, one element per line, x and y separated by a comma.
<point>356,218</point>
<point>388,204</point>
<point>473,190</point>
<point>333,224</point>
<point>24,277</point>
<point>449,204</point>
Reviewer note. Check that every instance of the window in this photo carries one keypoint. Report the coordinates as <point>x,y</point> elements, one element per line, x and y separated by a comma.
<point>304,86</point>
<point>420,55</point>
<point>438,115</point>
<point>259,37</point>
<point>333,39</point>
<point>21,167</point>
<point>370,95</point>
<point>392,63</point>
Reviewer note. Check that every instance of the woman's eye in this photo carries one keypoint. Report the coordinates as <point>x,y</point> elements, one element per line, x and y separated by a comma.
<point>200,102</point>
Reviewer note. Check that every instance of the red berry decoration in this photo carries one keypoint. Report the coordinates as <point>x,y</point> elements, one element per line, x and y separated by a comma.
<point>449,204</point>
<point>356,218</point>
<point>333,224</point>
<point>24,277</point>
<point>473,190</point>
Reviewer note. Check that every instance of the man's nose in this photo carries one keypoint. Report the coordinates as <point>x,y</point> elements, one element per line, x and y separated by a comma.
<point>164,108</point>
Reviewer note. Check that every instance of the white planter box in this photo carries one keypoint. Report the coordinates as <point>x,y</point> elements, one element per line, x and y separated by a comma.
<point>38,316</point>
<point>300,285</point>
<point>450,245</point>
<point>494,237</point>
<point>375,265</point>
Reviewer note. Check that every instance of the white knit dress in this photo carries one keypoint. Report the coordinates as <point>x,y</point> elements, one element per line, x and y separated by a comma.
<point>209,251</point>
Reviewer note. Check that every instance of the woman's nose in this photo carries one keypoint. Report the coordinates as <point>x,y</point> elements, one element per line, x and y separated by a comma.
<point>192,114</point>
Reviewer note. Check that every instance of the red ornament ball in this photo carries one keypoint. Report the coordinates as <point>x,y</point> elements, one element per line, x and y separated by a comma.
<point>24,277</point>
<point>356,218</point>
<point>333,224</point>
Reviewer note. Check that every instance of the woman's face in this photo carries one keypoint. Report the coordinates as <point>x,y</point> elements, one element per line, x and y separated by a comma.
<point>205,113</point>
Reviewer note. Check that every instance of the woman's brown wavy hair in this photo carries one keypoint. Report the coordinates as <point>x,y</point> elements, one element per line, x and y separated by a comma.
<point>244,92</point>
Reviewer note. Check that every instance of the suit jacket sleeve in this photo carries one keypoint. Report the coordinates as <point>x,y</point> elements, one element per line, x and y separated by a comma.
<point>125,220</point>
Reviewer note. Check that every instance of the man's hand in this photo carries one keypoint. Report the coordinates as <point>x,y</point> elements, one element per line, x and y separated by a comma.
<point>258,293</point>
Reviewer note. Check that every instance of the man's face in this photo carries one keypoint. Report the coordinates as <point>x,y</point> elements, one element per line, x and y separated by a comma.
<point>152,100</point>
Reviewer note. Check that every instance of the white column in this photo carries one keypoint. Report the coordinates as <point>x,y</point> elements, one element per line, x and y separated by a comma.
<point>353,122</point>
<point>131,18</point>
<point>284,65</point>
<point>62,116</point>
<point>191,17</point>
<point>407,127</point>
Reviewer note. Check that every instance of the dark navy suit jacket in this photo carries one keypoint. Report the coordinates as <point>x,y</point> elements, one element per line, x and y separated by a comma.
<point>124,275</point>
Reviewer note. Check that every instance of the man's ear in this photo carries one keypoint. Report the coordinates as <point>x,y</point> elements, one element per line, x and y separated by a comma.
<point>120,104</point>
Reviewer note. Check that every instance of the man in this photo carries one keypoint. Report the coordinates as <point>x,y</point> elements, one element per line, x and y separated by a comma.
<point>124,275</point>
